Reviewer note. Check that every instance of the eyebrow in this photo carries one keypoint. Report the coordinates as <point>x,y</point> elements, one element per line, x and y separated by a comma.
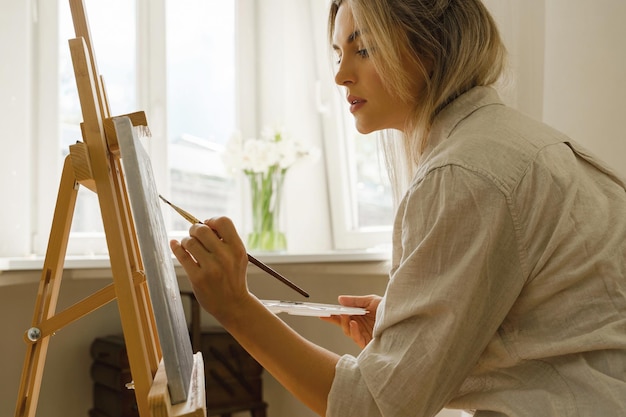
<point>350,39</point>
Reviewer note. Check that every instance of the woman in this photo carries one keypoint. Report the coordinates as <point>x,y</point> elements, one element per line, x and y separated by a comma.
<point>507,293</point>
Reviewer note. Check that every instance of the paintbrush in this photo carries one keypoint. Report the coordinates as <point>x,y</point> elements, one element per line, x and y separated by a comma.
<point>192,219</point>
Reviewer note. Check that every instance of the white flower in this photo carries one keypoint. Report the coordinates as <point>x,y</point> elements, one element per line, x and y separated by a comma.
<point>287,153</point>
<point>273,134</point>
<point>257,156</point>
<point>233,153</point>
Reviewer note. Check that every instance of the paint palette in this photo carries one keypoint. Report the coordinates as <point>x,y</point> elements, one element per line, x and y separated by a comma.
<point>298,308</point>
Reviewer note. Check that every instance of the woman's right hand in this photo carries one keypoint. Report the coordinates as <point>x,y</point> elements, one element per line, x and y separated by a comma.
<point>358,328</point>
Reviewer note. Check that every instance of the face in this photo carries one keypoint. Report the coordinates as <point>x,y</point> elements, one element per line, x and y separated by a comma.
<point>371,104</point>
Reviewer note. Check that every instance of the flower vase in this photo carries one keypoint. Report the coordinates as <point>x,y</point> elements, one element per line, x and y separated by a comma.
<point>266,192</point>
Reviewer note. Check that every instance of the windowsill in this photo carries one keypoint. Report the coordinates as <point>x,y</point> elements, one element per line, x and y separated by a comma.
<point>24,270</point>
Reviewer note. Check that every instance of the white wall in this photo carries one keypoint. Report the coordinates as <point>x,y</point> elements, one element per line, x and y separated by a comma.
<point>568,64</point>
<point>585,74</point>
<point>521,25</point>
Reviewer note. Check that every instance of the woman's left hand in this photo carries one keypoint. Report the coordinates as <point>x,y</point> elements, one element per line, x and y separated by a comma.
<point>359,328</point>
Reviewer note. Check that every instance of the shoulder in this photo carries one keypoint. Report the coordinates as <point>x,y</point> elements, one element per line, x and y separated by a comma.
<point>493,141</point>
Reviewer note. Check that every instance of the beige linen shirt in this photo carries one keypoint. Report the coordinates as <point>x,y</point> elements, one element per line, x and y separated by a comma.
<point>507,293</point>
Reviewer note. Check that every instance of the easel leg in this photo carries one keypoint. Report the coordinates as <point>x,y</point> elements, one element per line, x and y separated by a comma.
<point>48,293</point>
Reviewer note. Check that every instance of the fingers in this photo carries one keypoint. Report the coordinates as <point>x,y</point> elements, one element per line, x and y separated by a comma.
<point>353,327</point>
<point>341,321</point>
<point>225,230</point>
<point>216,236</point>
<point>356,300</point>
<point>360,333</point>
<point>185,259</point>
<point>332,319</point>
<point>356,335</point>
<point>352,300</point>
<point>201,237</point>
<point>210,246</point>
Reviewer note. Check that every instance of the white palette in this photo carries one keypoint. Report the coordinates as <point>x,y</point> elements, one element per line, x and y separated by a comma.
<point>298,308</point>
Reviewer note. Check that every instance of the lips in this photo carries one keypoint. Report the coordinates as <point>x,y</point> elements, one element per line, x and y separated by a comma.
<point>355,103</point>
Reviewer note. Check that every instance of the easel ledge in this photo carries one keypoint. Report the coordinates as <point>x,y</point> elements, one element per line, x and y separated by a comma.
<point>159,397</point>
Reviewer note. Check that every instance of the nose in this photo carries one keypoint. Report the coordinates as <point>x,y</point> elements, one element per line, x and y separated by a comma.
<point>344,75</point>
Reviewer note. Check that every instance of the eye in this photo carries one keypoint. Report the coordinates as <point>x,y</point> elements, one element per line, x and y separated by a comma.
<point>337,56</point>
<point>363,53</point>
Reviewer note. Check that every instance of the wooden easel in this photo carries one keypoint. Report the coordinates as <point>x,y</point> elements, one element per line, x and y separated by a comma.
<point>95,164</point>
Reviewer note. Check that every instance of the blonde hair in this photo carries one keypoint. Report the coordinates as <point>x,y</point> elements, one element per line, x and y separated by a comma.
<point>455,45</point>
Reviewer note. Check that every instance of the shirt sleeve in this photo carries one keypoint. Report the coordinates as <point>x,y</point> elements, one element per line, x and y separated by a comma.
<point>457,274</point>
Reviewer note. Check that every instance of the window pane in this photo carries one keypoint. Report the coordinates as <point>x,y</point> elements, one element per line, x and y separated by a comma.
<point>360,197</point>
<point>370,197</point>
<point>200,104</point>
<point>200,96</point>
<point>112,25</point>
<point>373,191</point>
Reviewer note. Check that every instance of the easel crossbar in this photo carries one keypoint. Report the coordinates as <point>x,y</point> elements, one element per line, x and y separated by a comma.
<point>80,309</point>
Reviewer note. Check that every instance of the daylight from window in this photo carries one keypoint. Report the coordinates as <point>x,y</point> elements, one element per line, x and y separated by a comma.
<point>200,110</point>
<point>116,57</point>
<point>201,103</point>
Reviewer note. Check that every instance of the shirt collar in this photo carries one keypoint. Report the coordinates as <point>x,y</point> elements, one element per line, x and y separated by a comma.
<point>459,109</point>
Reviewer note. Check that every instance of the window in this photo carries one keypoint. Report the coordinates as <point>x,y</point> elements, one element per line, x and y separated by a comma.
<point>201,104</point>
<point>360,194</point>
<point>174,59</point>
<point>360,199</point>
<point>116,52</point>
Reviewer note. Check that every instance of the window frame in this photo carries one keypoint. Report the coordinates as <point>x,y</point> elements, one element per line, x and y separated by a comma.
<point>341,171</point>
